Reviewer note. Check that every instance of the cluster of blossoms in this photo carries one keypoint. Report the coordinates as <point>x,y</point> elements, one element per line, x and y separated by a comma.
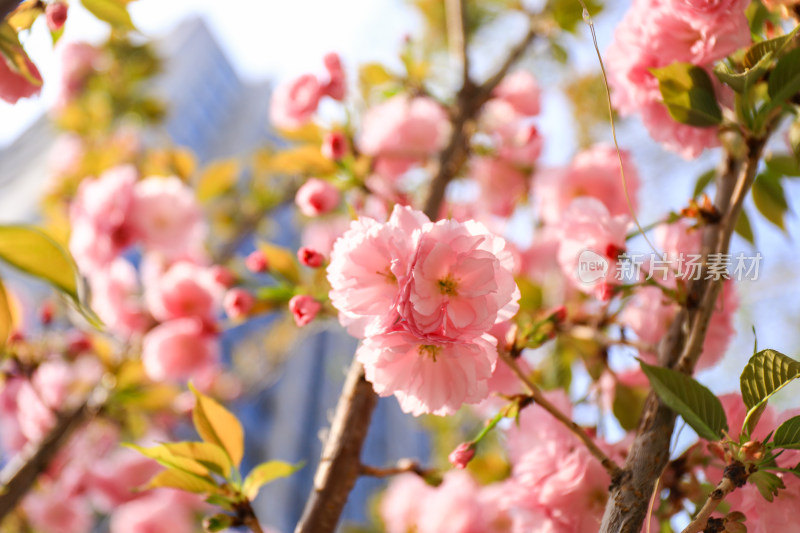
<point>552,477</point>
<point>656,33</point>
<point>176,310</point>
<point>424,296</point>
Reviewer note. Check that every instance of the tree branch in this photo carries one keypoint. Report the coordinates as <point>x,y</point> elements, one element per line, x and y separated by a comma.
<point>340,464</point>
<point>680,348</point>
<point>7,6</point>
<point>540,399</point>
<point>403,466</point>
<point>725,487</point>
<point>21,472</point>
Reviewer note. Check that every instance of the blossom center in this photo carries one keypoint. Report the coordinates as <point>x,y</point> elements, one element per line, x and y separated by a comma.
<point>429,350</point>
<point>448,285</point>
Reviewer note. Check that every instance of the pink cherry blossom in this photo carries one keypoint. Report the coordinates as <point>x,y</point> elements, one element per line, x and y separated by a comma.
<point>184,290</point>
<point>53,511</point>
<point>178,349</point>
<point>400,505</point>
<point>256,262</point>
<point>116,298</point>
<point>428,376</point>
<point>100,218</point>
<point>304,309</point>
<point>78,61</point>
<point>402,132</point>
<point>167,217</point>
<point>521,91</point>
<point>462,455</point>
<point>162,511</point>
<point>336,86</point>
<point>589,230</point>
<point>309,257</point>
<point>12,438</point>
<point>720,327</point>
<point>14,85</point>
<point>294,102</point>
<point>461,281</point>
<point>593,172</point>
<point>502,184</point>
<point>369,265</point>
<point>649,314</point>
<point>453,507</point>
<point>114,478</point>
<point>320,235</point>
<point>317,197</point>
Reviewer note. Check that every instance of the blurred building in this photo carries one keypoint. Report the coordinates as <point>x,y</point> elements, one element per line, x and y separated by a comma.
<point>216,114</point>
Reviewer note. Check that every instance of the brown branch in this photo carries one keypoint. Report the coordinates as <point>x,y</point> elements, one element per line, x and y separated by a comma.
<point>7,6</point>
<point>680,348</point>
<point>249,518</point>
<point>540,399</point>
<point>403,466</point>
<point>725,487</point>
<point>455,12</point>
<point>340,464</point>
<point>21,472</point>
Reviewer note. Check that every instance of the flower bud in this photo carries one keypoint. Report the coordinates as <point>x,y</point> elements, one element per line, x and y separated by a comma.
<point>462,455</point>
<point>238,303</point>
<point>304,308</point>
<point>310,257</point>
<point>257,262</point>
<point>334,145</point>
<point>316,197</point>
<point>56,13</point>
<point>222,276</point>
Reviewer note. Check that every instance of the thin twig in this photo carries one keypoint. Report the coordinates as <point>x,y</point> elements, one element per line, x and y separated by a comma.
<point>725,487</point>
<point>250,519</point>
<point>455,13</point>
<point>539,398</point>
<point>403,466</point>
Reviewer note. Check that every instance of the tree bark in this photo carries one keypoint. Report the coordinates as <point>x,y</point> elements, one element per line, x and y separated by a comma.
<point>681,347</point>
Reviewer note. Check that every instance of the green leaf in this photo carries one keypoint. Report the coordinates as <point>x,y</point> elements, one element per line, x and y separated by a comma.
<point>784,80</point>
<point>218,522</point>
<point>770,199</point>
<point>688,93</point>
<point>265,473</point>
<point>702,182</point>
<point>115,12</point>
<point>628,405</point>
<point>794,139</point>
<point>744,229</point>
<point>35,253</point>
<point>787,435</point>
<point>217,425</point>
<point>176,479</point>
<point>783,165</point>
<point>207,454</point>
<point>15,56</point>
<point>6,320</point>
<point>767,483</point>
<point>766,372</point>
<point>775,46</point>
<point>568,14</point>
<point>742,81</point>
<point>694,402</point>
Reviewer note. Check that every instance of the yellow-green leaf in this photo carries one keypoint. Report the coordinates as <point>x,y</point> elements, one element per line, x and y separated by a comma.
<point>265,473</point>
<point>165,457</point>
<point>114,12</point>
<point>35,253</point>
<point>6,320</point>
<point>281,260</point>
<point>217,425</point>
<point>175,479</point>
<point>216,179</point>
<point>206,453</point>
<point>23,17</point>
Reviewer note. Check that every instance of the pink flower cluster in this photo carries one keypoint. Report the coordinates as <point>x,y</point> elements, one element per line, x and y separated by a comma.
<point>515,142</point>
<point>176,309</point>
<point>294,102</point>
<point>424,296</point>
<point>556,486</point>
<point>656,33</point>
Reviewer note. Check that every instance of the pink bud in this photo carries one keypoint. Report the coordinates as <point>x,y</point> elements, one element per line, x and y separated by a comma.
<point>310,257</point>
<point>606,292</point>
<point>335,88</point>
<point>78,343</point>
<point>222,276</point>
<point>316,197</point>
<point>334,145</point>
<point>237,303</point>
<point>257,262</point>
<point>46,313</point>
<point>304,308</point>
<point>462,455</point>
<point>560,313</point>
<point>56,13</point>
